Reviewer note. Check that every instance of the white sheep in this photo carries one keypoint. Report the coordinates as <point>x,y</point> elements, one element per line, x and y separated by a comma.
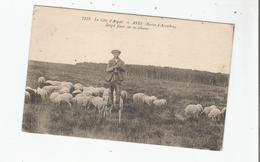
<point>50,88</point>
<point>193,111</point>
<point>101,90</point>
<point>34,97</point>
<point>80,95</point>
<point>53,96</point>
<point>108,109</point>
<point>64,83</point>
<point>138,98</point>
<point>63,98</point>
<point>76,92</point>
<point>27,97</point>
<point>148,100</point>
<point>223,112</point>
<point>64,90</point>
<point>88,91</point>
<point>207,110</point>
<point>99,104</point>
<point>78,86</point>
<point>96,92</point>
<point>69,85</point>
<point>93,91</point>
<point>29,88</point>
<point>124,94</point>
<point>160,103</point>
<point>106,92</point>
<point>106,97</point>
<point>153,98</point>
<point>54,83</point>
<point>42,92</point>
<point>82,100</point>
<point>41,80</point>
<point>215,114</point>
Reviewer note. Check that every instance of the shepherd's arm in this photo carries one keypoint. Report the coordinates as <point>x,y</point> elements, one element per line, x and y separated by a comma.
<point>109,68</point>
<point>121,66</point>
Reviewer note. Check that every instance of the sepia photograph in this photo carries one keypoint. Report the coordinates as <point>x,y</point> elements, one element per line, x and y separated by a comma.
<point>125,77</point>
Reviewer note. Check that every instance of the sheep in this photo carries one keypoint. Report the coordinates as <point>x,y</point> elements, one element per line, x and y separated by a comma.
<point>99,104</point>
<point>88,88</point>
<point>42,92</point>
<point>80,95</point>
<point>160,102</point>
<point>223,112</point>
<point>207,110</point>
<point>41,81</point>
<point>215,114</point>
<point>106,98</point>
<point>63,98</point>
<point>138,98</point>
<point>82,100</point>
<point>148,100</point>
<point>92,91</point>
<point>64,90</point>
<point>54,83</point>
<point>153,98</point>
<point>34,97</point>
<point>53,96</point>
<point>27,88</point>
<point>27,97</point>
<point>100,90</point>
<point>96,92</point>
<point>108,109</point>
<point>124,94</point>
<point>76,92</point>
<point>106,92</point>
<point>65,83</point>
<point>193,111</point>
<point>50,88</point>
<point>69,85</point>
<point>88,91</point>
<point>78,86</point>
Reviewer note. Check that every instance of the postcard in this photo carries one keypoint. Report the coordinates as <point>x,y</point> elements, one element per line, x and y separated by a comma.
<point>126,77</point>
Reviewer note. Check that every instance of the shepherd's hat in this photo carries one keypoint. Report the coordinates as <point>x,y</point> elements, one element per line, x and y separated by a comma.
<point>116,52</point>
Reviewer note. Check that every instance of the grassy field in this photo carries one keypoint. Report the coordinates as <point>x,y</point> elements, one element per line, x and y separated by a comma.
<point>139,124</point>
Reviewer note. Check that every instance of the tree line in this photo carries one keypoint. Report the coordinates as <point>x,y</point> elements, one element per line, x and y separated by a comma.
<point>165,73</point>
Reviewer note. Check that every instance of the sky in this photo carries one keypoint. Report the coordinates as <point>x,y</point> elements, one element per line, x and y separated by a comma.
<point>72,36</point>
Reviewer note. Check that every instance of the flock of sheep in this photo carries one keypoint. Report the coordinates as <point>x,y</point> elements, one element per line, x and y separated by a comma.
<point>63,93</point>
<point>141,98</point>
<point>212,112</point>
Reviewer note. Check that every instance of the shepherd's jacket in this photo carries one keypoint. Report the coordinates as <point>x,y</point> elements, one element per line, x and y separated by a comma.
<point>115,74</point>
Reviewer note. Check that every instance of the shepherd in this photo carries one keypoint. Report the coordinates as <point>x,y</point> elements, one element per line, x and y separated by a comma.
<point>114,76</point>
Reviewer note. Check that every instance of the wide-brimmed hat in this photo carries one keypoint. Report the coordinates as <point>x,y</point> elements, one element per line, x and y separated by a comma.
<point>116,52</point>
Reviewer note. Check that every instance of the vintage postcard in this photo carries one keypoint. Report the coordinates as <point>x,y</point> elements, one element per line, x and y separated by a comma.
<point>126,77</point>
